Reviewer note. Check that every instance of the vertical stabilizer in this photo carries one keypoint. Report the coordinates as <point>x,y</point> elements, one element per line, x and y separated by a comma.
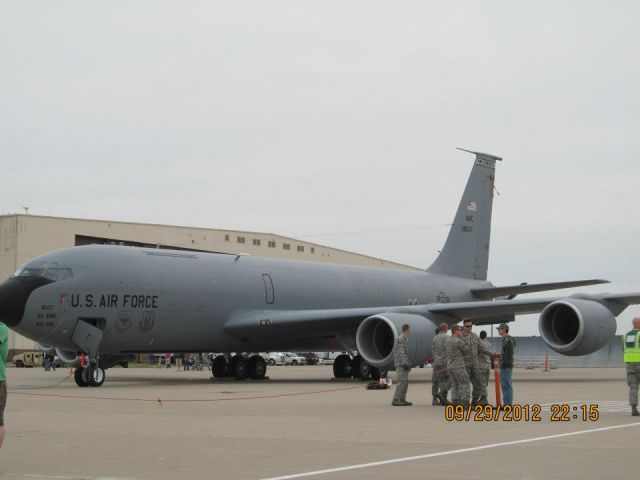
<point>466,251</point>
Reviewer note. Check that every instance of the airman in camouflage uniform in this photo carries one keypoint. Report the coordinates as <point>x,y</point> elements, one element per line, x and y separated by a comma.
<point>484,364</point>
<point>440,379</point>
<point>471,361</point>
<point>403,365</point>
<point>457,349</point>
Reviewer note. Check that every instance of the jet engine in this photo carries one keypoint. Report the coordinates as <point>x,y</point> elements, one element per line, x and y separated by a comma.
<point>576,326</point>
<point>376,335</point>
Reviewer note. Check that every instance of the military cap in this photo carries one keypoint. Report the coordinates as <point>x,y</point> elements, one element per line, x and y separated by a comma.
<point>503,325</point>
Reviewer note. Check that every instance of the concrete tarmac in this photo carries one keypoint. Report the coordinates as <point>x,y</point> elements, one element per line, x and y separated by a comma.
<point>149,423</point>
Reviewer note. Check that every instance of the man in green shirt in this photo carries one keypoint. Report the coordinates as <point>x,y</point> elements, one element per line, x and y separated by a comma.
<point>4,352</point>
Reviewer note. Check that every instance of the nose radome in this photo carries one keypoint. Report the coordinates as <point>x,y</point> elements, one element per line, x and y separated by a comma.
<point>14,293</point>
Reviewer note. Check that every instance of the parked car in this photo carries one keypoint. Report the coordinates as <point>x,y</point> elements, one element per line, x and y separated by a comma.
<point>310,357</point>
<point>294,359</point>
<point>274,358</point>
<point>327,358</point>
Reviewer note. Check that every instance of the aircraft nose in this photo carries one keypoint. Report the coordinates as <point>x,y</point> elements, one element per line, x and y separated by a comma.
<point>14,293</point>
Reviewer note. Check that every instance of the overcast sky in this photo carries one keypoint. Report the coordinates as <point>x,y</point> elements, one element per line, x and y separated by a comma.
<point>311,119</point>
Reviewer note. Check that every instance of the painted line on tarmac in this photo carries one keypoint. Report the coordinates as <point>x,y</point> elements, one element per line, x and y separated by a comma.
<point>449,452</point>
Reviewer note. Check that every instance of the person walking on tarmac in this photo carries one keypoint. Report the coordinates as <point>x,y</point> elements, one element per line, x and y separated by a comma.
<point>631,347</point>
<point>403,365</point>
<point>440,379</point>
<point>471,361</point>
<point>484,364</point>
<point>456,351</point>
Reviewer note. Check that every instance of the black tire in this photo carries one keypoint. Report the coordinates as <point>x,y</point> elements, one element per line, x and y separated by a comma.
<point>19,364</point>
<point>79,377</point>
<point>342,366</point>
<point>257,367</point>
<point>96,376</point>
<point>294,362</point>
<point>272,362</point>
<point>239,367</point>
<point>219,367</point>
<point>360,368</point>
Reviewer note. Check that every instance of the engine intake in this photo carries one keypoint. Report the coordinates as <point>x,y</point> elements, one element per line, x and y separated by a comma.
<point>576,326</point>
<point>376,335</point>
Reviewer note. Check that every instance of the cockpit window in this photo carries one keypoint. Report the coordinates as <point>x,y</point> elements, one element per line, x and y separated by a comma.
<point>29,272</point>
<point>53,274</point>
<point>65,273</point>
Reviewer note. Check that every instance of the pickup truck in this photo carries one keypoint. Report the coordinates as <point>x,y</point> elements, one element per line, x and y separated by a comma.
<point>294,359</point>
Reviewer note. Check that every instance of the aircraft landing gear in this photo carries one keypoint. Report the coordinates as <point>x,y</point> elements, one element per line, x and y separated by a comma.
<point>239,367</point>
<point>89,376</point>
<point>78,376</point>
<point>342,366</point>
<point>220,367</point>
<point>257,367</point>
<point>360,368</point>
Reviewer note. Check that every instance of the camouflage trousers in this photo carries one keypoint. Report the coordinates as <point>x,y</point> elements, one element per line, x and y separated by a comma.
<point>402,379</point>
<point>485,375</point>
<point>440,380</point>
<point>459,383</point>
<point>479,388</point>
<point>633,380</point>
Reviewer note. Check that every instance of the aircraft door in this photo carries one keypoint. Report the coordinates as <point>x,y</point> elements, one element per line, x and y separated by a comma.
<point>268,287</point>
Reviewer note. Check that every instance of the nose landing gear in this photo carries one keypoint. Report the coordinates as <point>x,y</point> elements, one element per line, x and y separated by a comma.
<point>89,376</point>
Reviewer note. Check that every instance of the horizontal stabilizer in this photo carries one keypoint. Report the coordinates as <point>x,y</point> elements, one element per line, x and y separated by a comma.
<point>494,292</point>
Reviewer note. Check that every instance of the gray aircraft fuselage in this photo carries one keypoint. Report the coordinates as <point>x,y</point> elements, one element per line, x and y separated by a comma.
<point>153,300</point>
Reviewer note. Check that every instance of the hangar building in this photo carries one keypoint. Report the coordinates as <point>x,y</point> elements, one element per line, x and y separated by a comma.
<point>23,237</point>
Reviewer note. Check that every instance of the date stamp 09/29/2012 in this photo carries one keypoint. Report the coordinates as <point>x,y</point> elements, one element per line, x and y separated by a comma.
<point>558,412</point>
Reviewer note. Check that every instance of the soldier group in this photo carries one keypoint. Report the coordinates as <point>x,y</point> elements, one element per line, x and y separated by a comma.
<point>461,363</point>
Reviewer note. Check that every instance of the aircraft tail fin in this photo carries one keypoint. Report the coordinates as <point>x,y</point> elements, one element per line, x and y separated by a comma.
<point>466,251</point>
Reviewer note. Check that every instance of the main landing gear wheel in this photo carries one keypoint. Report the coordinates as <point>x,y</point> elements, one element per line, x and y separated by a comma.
<point>239,367</point>
<point>272,362</point>
<point>219,367</point>
<point>78,376</point>
<point>257,367</point>
<point>342,366</point>
<point>360,368</point>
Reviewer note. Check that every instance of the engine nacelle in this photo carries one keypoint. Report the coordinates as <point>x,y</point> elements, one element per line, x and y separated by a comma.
<point>70,358</point>
<point>376,335</point>
<point>576,326</point>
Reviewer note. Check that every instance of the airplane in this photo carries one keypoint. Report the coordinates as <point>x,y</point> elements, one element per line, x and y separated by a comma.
<point>97,305</point>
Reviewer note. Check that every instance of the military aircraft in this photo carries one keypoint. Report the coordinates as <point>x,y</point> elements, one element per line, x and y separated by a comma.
<point>95,305</point>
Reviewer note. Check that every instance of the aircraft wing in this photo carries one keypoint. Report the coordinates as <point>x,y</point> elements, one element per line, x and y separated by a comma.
<point>493,292</point>
<point>327,322</point>
<point>487,312</point>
